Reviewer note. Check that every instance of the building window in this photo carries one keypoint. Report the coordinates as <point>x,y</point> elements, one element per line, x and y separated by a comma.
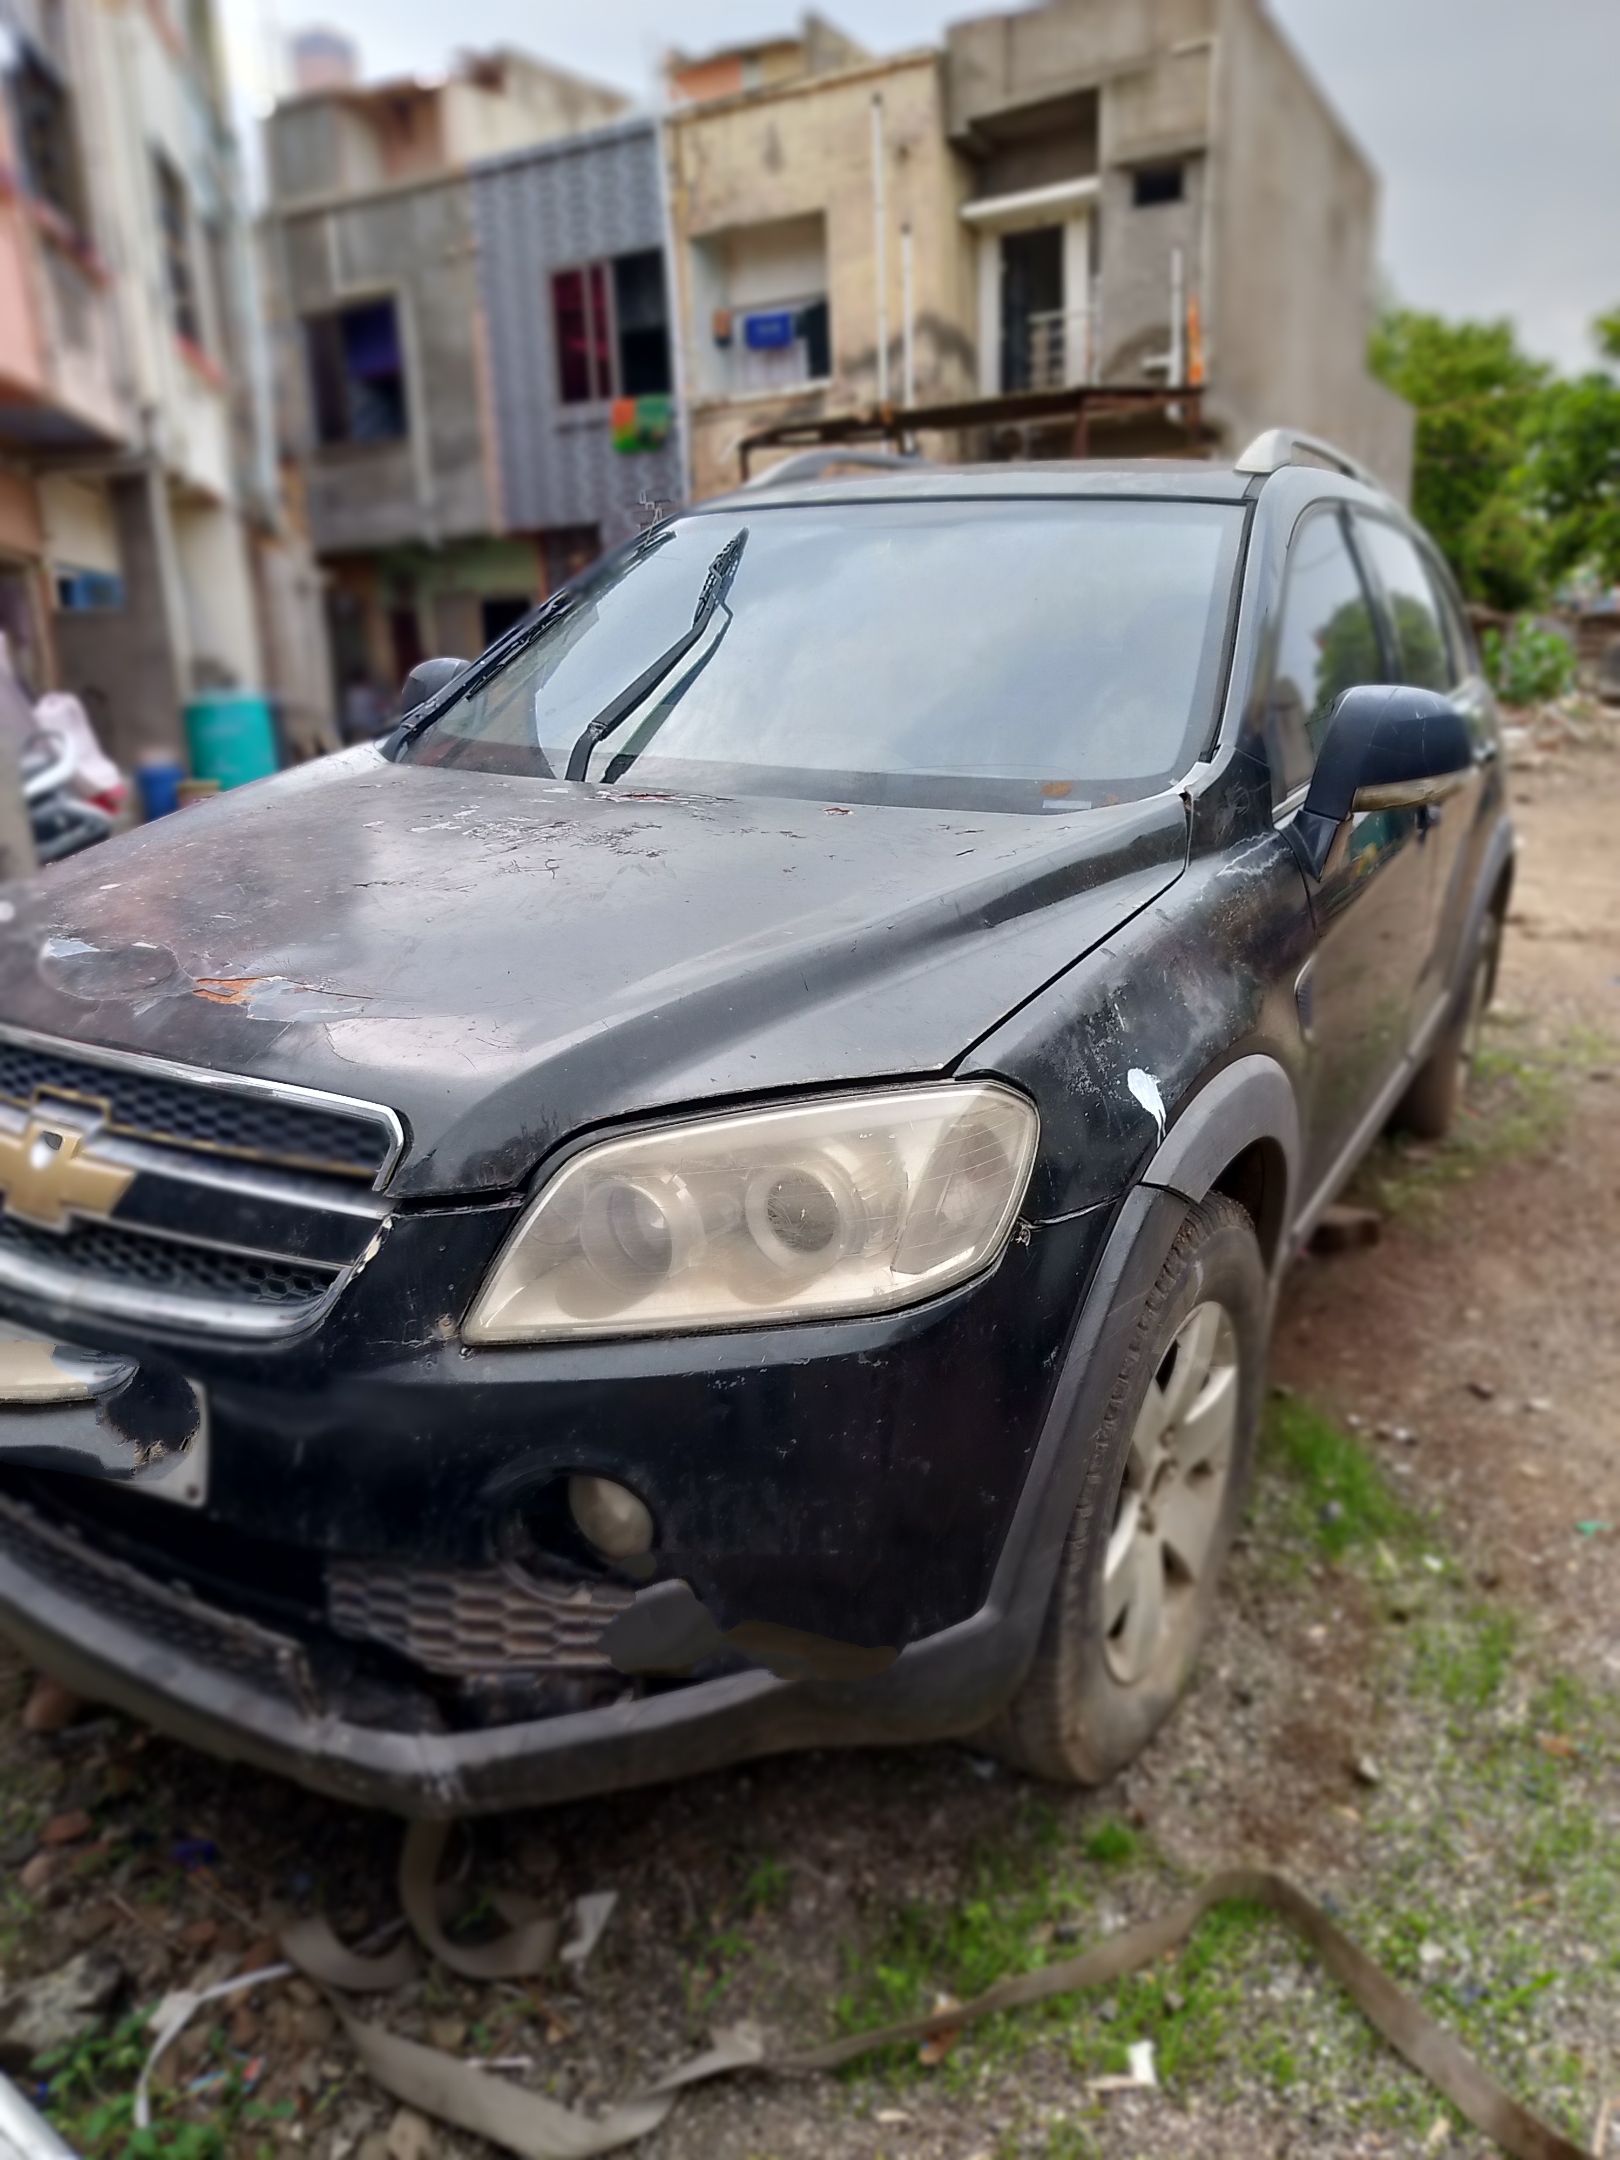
<point>1155,184</point>
<point>174,230</point>
<point>46,135</point>
<point>78,591</point>
<point>579,307</point>
<point>501,612</point>
<point>761,293</point>
<point>611,322</point>
<point>641,314</point>
<point>357,374</point>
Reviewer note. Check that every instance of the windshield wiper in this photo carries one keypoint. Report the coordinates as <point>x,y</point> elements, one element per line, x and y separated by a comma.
<point>716,585</point>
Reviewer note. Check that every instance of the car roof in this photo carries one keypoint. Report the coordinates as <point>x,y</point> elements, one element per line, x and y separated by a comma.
<point>1147,477</point>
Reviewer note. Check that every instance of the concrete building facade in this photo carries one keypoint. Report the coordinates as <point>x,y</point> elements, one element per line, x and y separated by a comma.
<point>1090,192</point>
<point>773,196</point>
<point>1161,192</point>
<point>567,233</point>
<point>140,495</point>
<point>474,372</point>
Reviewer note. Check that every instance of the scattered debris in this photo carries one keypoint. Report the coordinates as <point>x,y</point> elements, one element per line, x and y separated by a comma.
<point>938,2045</point>
<point>1142,2075</point>
<point>67,1829</point>
<point>1483,1389</point>
<point>57,2009</point>
<point>51,1707</point>
<point>1365,1771</point>
<point>409,2136</point>
<point>1344,1228</point>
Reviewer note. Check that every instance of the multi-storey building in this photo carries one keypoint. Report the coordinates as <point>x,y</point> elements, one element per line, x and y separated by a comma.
<point>474,364</point>
<point>141,555</point>
<point>1134,193</point>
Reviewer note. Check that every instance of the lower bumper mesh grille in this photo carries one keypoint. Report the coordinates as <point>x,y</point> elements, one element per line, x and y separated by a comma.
<point>466,1623</point>
<point>150,1610</point>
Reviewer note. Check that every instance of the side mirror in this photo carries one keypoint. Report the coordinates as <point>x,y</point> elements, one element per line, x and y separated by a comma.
<point>425,681</point>
<point>1386,748</point>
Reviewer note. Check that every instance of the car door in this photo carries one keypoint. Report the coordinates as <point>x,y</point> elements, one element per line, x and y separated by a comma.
<point>1431,651</point>
<point>1371,907</point>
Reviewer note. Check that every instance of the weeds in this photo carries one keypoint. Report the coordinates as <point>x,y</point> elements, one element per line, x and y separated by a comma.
<point>1517,1104</point>
<point>1333,1495</point>
<point>89,2098</point>
<point>1489,1869</point>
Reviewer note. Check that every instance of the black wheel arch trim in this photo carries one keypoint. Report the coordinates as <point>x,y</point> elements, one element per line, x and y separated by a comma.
<point>1249,1103</point>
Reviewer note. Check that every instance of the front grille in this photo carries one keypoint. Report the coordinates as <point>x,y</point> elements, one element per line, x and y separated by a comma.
<point>97,1253</point>
<point>240,1215</point>
<point>155,1613</point>
<point>222,1120</point>
<point>473,1623</point>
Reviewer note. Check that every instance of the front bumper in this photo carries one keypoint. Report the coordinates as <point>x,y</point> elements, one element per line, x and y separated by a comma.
<point>855,1480</point>
<point>244,1692</point>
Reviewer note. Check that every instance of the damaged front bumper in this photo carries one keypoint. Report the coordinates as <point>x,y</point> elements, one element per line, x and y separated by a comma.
<point>247,1693</point>
<point>354,1605</point>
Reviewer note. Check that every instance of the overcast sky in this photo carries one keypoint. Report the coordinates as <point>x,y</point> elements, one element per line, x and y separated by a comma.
<point>1495,123</point>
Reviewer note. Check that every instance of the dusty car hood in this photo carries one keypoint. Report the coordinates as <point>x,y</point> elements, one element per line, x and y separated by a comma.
<point>505,960</point>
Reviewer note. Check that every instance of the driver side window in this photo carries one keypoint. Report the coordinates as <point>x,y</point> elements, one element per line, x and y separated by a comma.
<point>1327,642</point>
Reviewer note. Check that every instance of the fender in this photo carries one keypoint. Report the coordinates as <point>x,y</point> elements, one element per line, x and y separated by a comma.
<point>958,1679</point>
<point>1248,1101</point>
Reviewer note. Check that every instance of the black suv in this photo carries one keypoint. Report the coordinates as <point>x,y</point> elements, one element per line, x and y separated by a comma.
<point>723,1190</point>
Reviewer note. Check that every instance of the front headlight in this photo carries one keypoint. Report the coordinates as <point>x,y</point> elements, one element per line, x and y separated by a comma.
<point>851,1206</point>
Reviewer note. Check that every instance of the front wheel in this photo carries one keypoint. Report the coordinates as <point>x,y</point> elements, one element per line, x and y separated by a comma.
<point>1163,1495</point>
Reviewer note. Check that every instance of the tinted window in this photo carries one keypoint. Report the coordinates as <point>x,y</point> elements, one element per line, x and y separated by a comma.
<point>1328,641</point>
<point>1029,656</point>
<point>1420,637</point>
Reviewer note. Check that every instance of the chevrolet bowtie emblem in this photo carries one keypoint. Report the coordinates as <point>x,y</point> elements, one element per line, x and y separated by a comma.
<point>50,1172</point>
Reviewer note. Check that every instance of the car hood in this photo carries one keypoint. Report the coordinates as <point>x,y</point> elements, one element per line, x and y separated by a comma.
<point>505,960</point>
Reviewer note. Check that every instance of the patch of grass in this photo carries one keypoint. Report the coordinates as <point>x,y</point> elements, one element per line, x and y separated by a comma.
<point>90,2099</point>
<point>1337,1497</point>
<point>1518,1103</point>
<point>1465,1659</point>
<point>1110,1844</point>
<point>767,1885</point>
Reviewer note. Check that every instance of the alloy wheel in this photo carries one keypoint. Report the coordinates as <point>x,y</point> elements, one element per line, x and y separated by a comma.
<point>1172,1494</point>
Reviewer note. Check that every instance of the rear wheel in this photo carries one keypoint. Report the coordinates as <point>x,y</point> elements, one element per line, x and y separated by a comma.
<point>1163,1496</point>
<point>1429,1107</point>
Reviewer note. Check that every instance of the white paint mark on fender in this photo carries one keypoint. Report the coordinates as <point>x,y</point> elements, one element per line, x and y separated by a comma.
<point>1146,1090</point>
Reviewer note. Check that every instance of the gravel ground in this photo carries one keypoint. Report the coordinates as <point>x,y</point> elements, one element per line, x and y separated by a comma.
<point>1411,1700</point>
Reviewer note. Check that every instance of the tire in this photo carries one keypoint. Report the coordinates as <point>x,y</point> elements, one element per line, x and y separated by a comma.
<point>1428,1109</point>
<point>1152,1527</point>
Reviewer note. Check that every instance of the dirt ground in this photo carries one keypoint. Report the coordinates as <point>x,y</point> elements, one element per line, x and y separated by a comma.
<point>1411,1700</point>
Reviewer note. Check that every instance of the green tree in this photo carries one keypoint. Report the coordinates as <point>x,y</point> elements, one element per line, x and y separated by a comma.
<point>1474,391</point>
<point>1573,470</point>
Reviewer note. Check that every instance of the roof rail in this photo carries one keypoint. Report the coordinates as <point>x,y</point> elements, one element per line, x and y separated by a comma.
<point>1275,448</point>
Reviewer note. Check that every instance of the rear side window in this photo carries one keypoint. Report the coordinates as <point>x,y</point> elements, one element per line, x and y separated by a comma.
<point>1422,650</point>
<point>1327,641</point>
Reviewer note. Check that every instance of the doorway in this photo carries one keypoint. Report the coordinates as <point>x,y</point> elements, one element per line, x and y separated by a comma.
<point>1032,311</point>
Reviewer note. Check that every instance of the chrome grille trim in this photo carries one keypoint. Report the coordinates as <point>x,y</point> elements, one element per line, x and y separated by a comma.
<point>315,1102</point>
<point>92,1295</point>
<point>471,1623</point>
<point>209,1239</point>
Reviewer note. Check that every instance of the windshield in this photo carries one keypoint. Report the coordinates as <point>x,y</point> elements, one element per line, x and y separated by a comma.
<point>1029,655</point>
